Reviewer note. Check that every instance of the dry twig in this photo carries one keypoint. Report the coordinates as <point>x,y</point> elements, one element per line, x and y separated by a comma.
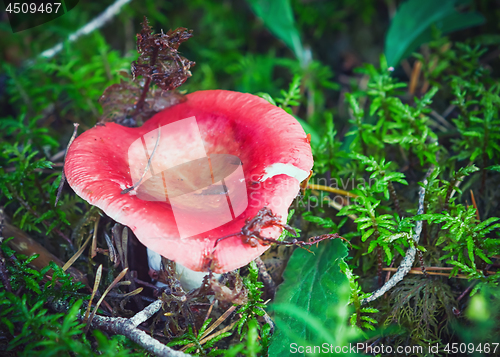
<point>128,328</point>
<point>407,263</point>
<point>331,189</point>
<point>63,176</point>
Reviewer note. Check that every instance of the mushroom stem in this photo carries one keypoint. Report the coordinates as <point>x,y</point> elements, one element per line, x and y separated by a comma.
<point>188,278</point>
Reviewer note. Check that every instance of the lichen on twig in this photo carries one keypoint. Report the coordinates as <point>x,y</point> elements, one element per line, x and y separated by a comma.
<point>128,328</point>
<point>409,258</point>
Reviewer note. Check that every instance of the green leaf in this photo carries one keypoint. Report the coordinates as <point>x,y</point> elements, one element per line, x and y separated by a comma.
<point>266,96</point>
<point>310,305</point>
<point>412,25</point>
<point>278,18</point>
<point>371,310</point>
<point>494,168</point>
<point>367,234</point>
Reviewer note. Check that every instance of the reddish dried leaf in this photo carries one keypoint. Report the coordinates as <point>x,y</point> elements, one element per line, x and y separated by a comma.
<point>159,59</point>
<point>119,103</point>
<point>132,101</point>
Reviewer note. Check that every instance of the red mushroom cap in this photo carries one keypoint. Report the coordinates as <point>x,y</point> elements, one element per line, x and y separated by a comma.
<point>203,166</point>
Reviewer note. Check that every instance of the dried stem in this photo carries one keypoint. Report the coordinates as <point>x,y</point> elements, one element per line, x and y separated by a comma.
<point>63,176</point>
<point>419,272</point>
<point>268,319</point>
<point>220,320</point>
<point>379,266</point>
<point>421,260</point>
<point>449,192</point>
<point>142,99</point>
<point>331,189</point>
<point>266,278</point>
<point>466,291</point>
<point>108,289</point>
<point>146,284</point>
<point>475,205</point>
<point>93,25</point>
<point>394,197</point>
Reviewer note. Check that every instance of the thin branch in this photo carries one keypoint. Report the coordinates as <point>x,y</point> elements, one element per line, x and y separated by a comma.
<point>93,247</point>
<point>379,266</point>
<point>441,119</point>
<point>415,75</point>
<point>394,197</point>
<point>454,184</point>
<point>212,336</point>
<point>76,255</point>
<point>108,289</point>
<point>128,328</point>
<point>268,319</point>
<point>313,186</point>
<point>96,23</point>
<point>63,176</point>
<point>220,320</point>
<point>430,269</point>
<point>466,291</point>
<point>94,291</point>
<point>420,272</point>
<point>421,260</point>
<point>409,258</point>
<point>146,284</point>
<point>145,314</point>
<point>475,205</point>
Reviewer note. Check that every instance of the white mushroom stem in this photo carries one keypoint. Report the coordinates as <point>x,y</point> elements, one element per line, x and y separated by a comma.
<point>188,278</point>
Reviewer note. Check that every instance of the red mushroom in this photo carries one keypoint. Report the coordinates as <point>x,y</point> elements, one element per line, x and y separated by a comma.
<point>194,173</point>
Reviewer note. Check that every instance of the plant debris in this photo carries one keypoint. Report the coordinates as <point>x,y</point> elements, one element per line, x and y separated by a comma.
<point>132,101</point>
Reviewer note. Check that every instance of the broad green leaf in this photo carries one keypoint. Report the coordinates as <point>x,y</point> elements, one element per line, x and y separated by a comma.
<point>278,17</point>
<point>412,25</point>
<point>310,307</point>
